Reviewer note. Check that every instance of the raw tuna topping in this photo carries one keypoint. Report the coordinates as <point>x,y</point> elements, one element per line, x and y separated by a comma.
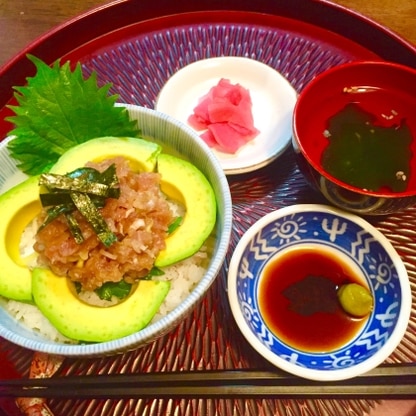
<point>139,217</point>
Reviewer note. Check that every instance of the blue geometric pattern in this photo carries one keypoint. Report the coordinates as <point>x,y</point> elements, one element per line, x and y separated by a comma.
<point>351,240</point>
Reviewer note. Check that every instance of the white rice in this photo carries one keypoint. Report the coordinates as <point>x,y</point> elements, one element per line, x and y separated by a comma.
<point>183,276</point>
<point>31,317</point>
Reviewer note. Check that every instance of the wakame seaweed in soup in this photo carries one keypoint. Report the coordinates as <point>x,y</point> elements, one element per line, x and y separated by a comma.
<point>366,154</point>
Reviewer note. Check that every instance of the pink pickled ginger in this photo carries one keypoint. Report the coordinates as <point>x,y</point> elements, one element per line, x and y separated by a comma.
<point>225,115</point>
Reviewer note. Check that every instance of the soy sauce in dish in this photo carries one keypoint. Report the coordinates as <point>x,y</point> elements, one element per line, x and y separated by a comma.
<point>298,298</point>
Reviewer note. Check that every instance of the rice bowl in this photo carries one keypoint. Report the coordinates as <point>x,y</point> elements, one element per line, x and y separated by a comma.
<point>181,300</point>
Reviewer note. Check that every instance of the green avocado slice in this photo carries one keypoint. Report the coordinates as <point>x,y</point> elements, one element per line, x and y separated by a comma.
<point>142,154</point>
<point>18,207</point>
<point>75,319</point>
<point>185,183</point>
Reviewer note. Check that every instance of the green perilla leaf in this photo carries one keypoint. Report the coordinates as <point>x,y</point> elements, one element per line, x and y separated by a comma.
<point>58,109</point>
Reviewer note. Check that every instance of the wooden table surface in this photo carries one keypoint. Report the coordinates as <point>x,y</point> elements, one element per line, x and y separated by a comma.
<point>22,21</point>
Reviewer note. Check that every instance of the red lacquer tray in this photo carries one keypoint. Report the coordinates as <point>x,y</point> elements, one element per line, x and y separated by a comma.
<point>138,45</point>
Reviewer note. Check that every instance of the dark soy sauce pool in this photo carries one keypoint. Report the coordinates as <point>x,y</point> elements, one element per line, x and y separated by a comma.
<point>298,298</point>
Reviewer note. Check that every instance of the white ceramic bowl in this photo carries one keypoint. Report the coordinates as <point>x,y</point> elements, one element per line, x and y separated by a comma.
<point>272,96</point>
<point>181,138</point>
<point>362,247</point>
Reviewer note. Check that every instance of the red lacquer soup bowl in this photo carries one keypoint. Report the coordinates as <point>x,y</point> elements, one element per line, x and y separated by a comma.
<point>354,134</point>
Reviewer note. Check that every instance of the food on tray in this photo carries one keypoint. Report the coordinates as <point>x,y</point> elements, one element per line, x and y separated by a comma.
<point>225,115</point>
<point>355,299</point>
<point>56,300</point>
<point>104,229</point>
<point>57,110</point>
<point>303,308</point>
<point>368,151</point>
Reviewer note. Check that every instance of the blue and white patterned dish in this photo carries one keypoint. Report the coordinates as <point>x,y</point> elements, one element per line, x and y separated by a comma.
<point>353,238</point>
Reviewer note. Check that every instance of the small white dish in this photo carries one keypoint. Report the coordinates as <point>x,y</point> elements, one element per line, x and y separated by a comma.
<point>273,99</point>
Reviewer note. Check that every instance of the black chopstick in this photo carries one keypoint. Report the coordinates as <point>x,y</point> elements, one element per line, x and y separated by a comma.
<point>387,381</point>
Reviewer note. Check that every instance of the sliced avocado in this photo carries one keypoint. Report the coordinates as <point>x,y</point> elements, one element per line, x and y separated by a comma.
<point>183,182</point>
<point>19,206</point>
<point>78,320</point>
<point>141,154</point>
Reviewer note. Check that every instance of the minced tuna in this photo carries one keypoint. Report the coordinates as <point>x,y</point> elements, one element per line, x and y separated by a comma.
<point>139,218</point>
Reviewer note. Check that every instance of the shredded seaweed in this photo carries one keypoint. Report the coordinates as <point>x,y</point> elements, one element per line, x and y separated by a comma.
<point>54,212</point>
<point>89,211</point>
<point>85,180</point>
<point>61,198</point>
<point>74,228</point>
<point>84,190</point>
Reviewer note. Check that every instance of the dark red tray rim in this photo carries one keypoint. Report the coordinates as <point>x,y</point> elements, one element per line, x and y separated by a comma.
<point>120,13</point>
<point>321,13</point>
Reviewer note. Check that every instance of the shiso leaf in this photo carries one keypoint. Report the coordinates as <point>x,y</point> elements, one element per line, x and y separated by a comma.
<point>58,109</point>
<point>118,289</point>
<point>155,271</point>
<point>175,224</point>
